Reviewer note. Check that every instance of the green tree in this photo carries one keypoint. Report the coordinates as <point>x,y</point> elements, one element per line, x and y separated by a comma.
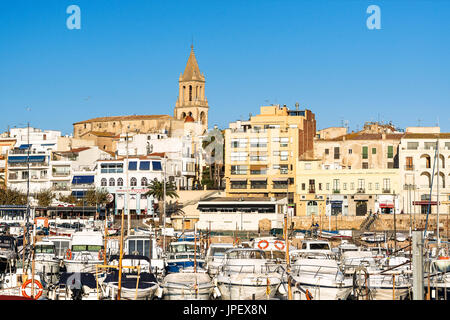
<point>96,197</point>
<point>12,197</point>
<point>45,197</point>
<point>156,189</point>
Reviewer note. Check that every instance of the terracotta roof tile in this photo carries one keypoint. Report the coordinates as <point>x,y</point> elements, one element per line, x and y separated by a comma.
<point>125,118</point>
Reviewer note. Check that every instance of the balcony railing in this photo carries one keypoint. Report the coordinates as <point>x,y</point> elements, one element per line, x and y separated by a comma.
<point>409,167</point>
<point>336,191</point>
<point>386,190</point>
<point>361,190</point>
<point>258,186</point>
<point>312,190</point>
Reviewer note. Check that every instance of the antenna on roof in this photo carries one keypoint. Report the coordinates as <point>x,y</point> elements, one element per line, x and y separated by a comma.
<point>297,105</point>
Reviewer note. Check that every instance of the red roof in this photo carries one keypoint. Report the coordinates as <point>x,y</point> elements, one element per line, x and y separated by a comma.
<point>189,119</point>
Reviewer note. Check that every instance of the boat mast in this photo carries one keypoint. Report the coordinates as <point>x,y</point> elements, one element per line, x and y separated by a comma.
<point>437,188</point>
<point>127,191</point>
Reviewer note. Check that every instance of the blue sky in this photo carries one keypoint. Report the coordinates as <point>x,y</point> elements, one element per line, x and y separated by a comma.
<point>128,55</point>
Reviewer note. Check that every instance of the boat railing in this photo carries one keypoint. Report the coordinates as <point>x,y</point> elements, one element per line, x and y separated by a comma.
<point>249,268</point>
<point>317,270</point>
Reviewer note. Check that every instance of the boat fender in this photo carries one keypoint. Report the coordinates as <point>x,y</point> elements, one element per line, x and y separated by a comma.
<point>23,289</point>
<point>101,254</point>
<point>217,292</point>
<point>68,254</point>
<point>159,292</point>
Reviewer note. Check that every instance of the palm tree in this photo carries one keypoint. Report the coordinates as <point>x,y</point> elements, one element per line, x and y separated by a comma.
<point>96,197</point>
<point>156,189</point>
<point>12,197</point>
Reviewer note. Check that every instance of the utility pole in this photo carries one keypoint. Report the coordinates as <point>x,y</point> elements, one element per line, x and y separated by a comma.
<point>417,259</point>
<point>437,202</point>
<point>164,204</point>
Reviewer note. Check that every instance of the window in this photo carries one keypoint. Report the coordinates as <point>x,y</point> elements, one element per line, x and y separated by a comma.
<point>430,145</point>
<point>239,156</point>
<point>447,145</point>
<point>409,163</point>
<point>386,185</point>
<point>133,182</point>
<point>365,152</point>
<point>111,168</point>
<point>284,169</point>
<point>284,142</point>
<point>103,182</point>
<point>239,143</point>
<point>303,186</point>
<point>258,142</point>
<point>369,185</point>
<point>336,185</point>
<point>374,150</point>
<point>258,156</point>
<point>412,145</point>
<point>350,151</point>
<point>284,155</point>
<point>328,186</point>
<point>390,154</point>
<point>239,169</point>
<point>336,153</point>
<point>365,165</point>
<point>327,151</point>
<point>238,184</point>
<point>120,182</point>
<point>377,186</point>
<point>344,186</point>
<point>352,186</point>
<point>320,186</point>
<point>361,184</point>
<point>112,182</point>
<point>308,166</point>
<point>390,165</point>
<point>144,182</point>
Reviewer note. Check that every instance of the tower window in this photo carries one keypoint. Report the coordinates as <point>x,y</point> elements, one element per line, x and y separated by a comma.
<point>190,93</point>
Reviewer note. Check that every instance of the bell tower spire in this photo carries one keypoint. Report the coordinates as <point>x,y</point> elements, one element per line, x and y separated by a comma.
<point>191,97</point>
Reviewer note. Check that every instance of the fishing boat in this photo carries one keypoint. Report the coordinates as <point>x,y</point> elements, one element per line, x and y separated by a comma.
<point>187,286</point>
<point>137,283</point>
<point>86,251</point>
<point>181,255</point>
<point>215,256</point>
<point>320,278</point>
<point>247,275</point>
<point>46,261</point>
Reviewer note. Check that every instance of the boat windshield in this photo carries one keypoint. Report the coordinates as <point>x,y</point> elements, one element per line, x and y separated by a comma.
<point>47,248</point>
<point>183,247</point>
<point>5,243</point>
<point>218,252</point>
<point>90,248</point>
<point>245,254</point>
<point>440,266</point>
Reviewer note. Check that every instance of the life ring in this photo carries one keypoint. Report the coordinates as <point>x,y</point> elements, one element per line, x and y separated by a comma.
<point>279,245</point>
<point>100,254</point>
<point>68,254</point>
<point>263,242</point>
<point>23,289</point>
<point>443,258</point>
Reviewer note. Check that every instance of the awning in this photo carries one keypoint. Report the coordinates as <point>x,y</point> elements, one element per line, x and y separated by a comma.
<point>237,179</point>
<point>280,179</point>
<point>132,165</point>
<point>25,159</point>
<point>257,167</point>
<point>157,166</point>
<point>424,203</point>
<point>83,180</point>
<point>258,179</point>
<point>386,205</point>
<point>336,204</point>
<point>79,194</point>
<point>144,165</point>
<point>25,146</point>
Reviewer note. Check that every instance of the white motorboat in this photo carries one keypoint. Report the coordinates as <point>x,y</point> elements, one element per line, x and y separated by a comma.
<point>62,243</point>
<point>86,251</point>
<point>183,254</point>
<point>215,256</point>
<point>322,279</point>
<point>46,261</point>
<point>187,286</point>
<point>437,275</point>
<point>75,286</point>
<point>247,275</point>
<point>8,252</point>
<point>136,284</point>
<point>370,279</point>
<point>373,237</point>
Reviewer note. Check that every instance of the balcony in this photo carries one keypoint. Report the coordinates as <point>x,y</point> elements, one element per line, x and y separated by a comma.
<point>386,190</point>
<point>361,190</point>
<point>336,191</point>
<point>60,174</point>
<point>409,167</point>
<point>312,190</point>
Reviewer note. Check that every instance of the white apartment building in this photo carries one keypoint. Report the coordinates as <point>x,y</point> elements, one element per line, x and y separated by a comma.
<point>112,176</point>
<point>418,160</point>
<point>179,150</point>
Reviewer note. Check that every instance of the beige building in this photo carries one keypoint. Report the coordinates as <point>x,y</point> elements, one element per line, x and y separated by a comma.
<point>261,154</point>
<point>343,191</point>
